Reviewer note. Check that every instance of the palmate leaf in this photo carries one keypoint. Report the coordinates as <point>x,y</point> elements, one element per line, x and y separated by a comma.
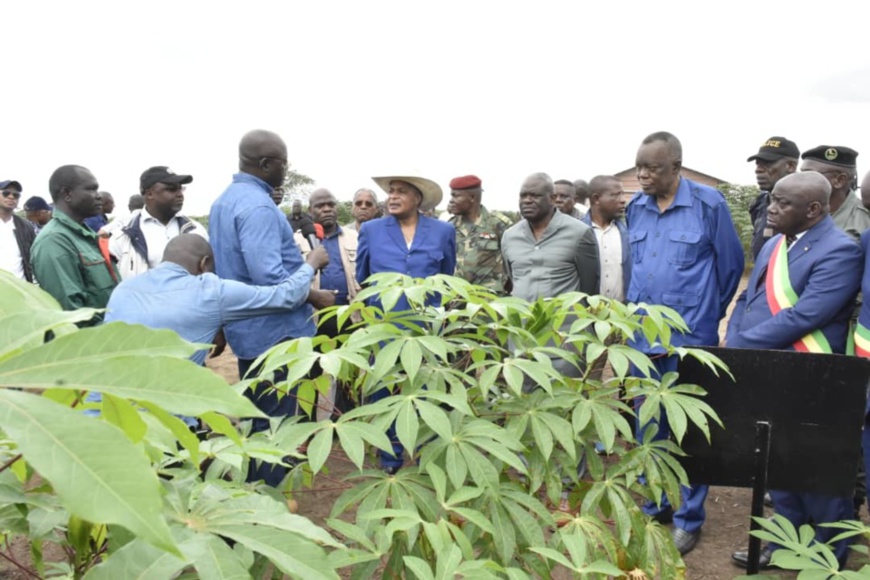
<point>128,361</point>
<point>98,473</point>
<point>140,560</point>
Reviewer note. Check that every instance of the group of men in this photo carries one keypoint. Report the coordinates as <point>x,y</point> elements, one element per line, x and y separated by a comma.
<point>260,277</point>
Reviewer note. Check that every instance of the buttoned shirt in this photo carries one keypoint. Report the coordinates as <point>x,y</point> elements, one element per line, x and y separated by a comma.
<point>196,307</point>
<point>564,259</point>
<point>253,244</point>
<point>687,257</point>
<point>333,276</point>
<point>852,217</point>
<point>10,254</point>
<point>610,255</point>
<point>69,265</point>
<point>157,235</point>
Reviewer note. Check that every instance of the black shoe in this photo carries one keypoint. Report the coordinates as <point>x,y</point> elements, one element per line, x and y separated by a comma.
<point>685,541</point>
<point>741,558</point>
<point>665,516</point>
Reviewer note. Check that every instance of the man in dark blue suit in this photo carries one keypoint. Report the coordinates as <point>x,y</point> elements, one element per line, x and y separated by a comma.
<point>406,242</point>
<point>605,215</point>
<point>800,296</point>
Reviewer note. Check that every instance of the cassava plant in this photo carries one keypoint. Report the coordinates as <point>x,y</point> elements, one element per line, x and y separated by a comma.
<point>493,434</point>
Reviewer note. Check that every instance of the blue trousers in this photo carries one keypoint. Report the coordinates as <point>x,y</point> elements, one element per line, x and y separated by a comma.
<point>267,401</point>
<point>387,460</point>
<point>801,508</point>
<point>691,515</point>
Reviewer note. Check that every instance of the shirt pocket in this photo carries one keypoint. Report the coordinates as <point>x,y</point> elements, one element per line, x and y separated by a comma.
<point>95,273</point>
<point>637,240</point>
<point>681,302</point>
<point>683,247</point>
<point>488,245</point>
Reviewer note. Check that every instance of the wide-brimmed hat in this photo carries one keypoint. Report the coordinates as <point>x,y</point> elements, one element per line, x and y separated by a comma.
<point>431,191</point>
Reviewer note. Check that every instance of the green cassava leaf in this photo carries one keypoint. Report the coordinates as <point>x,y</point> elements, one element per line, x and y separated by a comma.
<point>98,473</point>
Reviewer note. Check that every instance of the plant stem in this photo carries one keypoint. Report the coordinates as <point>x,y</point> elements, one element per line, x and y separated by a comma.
<point>6,465</point>
<point>19,565</point>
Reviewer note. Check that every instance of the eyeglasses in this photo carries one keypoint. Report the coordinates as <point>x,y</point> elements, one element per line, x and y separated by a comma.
<point>363,204</point>
<point>10,193</point>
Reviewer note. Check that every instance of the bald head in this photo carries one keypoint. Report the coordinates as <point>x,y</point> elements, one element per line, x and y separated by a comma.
<point>809,185</point>
<point>191,252</point>
<point>798,202</point>
<point>865,190</point>
<point>263,154</point>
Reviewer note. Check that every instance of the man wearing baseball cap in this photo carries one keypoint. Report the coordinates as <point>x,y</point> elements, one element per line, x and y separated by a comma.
<point>139,245</point>
<point>478,235</point>
<point>776,158</point>
<point>837,164</point>
<point>16,234</point>
<point>37,211</point>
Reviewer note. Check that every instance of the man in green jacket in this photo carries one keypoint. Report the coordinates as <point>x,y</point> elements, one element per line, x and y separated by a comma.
<point>67,258</point>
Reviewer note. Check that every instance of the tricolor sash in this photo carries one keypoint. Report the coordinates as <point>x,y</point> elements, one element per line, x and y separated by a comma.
<point>862,341</point>
<point>781,295</point>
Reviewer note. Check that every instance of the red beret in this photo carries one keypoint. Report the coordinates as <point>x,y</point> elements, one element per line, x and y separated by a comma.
<point>465,182</point>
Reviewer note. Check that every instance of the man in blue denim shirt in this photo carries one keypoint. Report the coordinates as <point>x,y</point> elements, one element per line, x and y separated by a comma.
<point>687,256</point>
<point>253,244</point>
<point>183,294</point>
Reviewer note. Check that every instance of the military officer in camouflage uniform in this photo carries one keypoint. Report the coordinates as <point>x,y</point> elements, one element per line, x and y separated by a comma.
<point>478,236</point>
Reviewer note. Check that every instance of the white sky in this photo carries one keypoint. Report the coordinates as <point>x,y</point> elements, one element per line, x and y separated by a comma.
<point>438,89</point>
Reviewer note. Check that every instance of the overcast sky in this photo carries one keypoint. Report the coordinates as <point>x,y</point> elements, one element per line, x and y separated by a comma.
<point>437,89</point>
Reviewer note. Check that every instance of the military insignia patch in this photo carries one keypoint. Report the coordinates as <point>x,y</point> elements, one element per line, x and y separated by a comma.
<point>831,154</point>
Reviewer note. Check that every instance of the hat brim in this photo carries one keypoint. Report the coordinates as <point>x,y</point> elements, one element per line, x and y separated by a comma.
<point>10,183</point>
<point>431,191</point>
<point>768,157</point>
<point>180,179</point>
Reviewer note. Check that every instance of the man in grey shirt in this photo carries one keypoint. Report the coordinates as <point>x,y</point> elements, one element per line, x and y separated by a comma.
<point>548,253</point>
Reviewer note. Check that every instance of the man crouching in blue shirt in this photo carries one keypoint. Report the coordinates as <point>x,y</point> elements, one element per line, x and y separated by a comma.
<point>687,256</point>
<point>183,294</point>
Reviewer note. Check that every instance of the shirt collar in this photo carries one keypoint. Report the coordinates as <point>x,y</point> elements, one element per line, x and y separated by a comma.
<point>70,223</point>
<point>242,177</point>
<point>682,198</point>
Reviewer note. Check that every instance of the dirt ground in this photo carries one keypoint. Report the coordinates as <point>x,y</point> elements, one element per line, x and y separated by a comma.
<point>724,532</point>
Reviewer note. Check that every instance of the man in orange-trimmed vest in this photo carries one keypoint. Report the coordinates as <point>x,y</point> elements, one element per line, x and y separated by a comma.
<point>800,297</point>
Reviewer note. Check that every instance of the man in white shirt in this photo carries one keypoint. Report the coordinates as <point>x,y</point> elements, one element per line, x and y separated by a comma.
<point>16,234</point>
<point>139,245</point>
<point>606,211</point>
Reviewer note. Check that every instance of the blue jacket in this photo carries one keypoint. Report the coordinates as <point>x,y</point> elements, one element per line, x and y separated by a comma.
<point>382,248</point>
<point>824,267</point>
<point>687,257</point>
<point>626,249</point>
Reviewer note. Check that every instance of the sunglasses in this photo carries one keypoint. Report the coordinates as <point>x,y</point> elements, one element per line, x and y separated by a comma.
<point>363,204</point>
<point>10,193</point>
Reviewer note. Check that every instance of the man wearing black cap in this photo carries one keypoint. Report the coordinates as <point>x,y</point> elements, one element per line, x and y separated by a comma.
<point>478,235</point>
<point>139,245</point>
<point>837,164</point>
<point>37,211</point>
<point>16,234</point>
<point>776,158</point>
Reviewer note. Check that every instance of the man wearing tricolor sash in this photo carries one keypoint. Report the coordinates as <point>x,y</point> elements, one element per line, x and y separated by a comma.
<point>800,297</point>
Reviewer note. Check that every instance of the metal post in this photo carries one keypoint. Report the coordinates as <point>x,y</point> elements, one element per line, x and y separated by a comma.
<point>759,485</point>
